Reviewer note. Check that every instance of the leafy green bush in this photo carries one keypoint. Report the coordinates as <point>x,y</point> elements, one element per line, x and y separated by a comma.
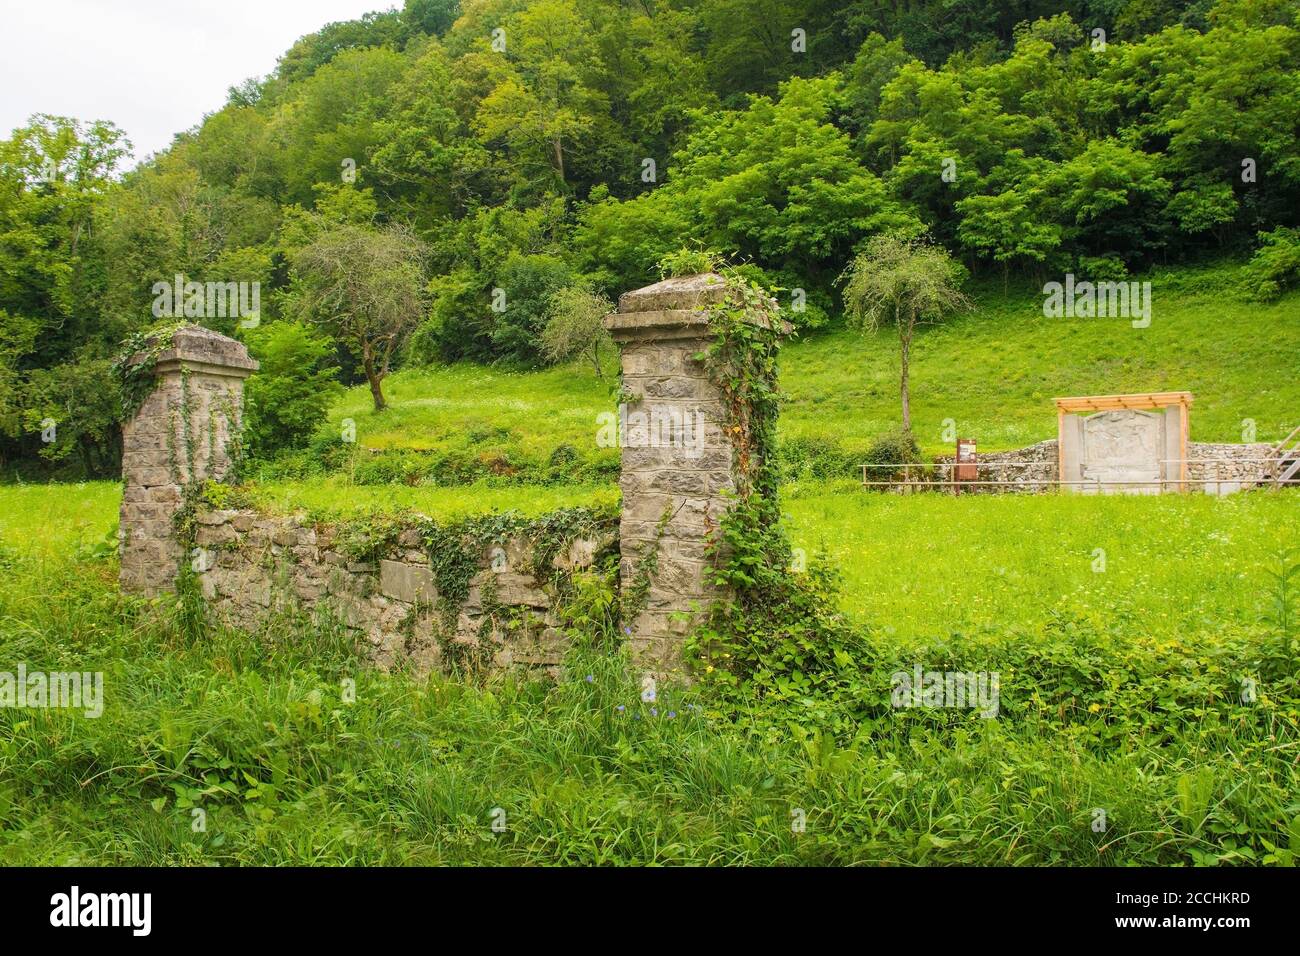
<point>892,448</point>
<point>689,262</point>
<point>529,282</point>
<point>287,399</point>
<point>802,458</point>
<point>73,397</point>
<point>1276,266</point>
<point>576,327</point>
<point>1103,269</point>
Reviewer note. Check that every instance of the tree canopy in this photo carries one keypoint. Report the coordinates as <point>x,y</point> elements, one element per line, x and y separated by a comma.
<point>539,145</point>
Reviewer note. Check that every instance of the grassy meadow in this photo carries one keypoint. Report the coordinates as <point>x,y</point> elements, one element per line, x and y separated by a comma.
<point>1165,567</point>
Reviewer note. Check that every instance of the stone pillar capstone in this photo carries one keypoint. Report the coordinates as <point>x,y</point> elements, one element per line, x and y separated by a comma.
<point>184,433</point>
<point>678,474</point>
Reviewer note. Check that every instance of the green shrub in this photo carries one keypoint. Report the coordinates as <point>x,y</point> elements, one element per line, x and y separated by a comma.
<point>1104,269</point>
<point>1275,267</point>
<point>288,398</point>
<point>689,262</point>
<point>803,458</point>
<point>529,282</point>
<point>893,448</point>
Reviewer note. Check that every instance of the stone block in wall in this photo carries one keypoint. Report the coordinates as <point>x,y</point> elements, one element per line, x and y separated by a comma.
<point>509,589</point>
<point>581,553</point>
<point>407,582</point>
<point>210,536</point>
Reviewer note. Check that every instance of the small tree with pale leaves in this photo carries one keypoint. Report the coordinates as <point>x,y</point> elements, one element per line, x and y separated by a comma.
<point>902,281</point>
<point>576,327</point>
<point>365,286</point>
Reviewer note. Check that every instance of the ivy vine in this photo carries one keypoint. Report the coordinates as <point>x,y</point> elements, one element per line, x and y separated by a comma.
<point>741,362</point>
<point>455,549</point>
<point>133,369</point>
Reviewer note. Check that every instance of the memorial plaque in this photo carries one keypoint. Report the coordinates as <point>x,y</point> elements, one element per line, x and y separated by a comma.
<point>1123,444</point>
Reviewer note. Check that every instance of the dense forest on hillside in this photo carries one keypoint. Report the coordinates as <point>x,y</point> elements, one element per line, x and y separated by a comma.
<point>503,156</point>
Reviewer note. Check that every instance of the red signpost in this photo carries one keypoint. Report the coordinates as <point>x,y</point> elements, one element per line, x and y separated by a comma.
<point>965,466</point>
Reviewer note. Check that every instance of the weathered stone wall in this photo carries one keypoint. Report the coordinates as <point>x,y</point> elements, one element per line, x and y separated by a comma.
<point>1207,470</point>
<point>1213,468</point>
<point>254,565</point>
<point>184,433</point>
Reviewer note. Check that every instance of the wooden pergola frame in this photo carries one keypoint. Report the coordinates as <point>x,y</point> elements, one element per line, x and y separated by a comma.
<point>1140,401</point>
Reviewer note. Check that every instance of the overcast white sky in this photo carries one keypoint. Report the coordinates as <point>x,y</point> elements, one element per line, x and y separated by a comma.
<point>153,67</point>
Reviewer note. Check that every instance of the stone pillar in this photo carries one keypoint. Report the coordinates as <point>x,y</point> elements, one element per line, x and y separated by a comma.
<point>183,434</point>
<point>677,463</point>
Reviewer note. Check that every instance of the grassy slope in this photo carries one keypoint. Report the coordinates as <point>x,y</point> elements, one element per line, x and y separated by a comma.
<point>994,372</point>
<point>493,412</point>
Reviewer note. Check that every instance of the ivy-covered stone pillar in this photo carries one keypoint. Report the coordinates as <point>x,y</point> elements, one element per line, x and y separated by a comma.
<point>188,388</point>
<point>685,455</point>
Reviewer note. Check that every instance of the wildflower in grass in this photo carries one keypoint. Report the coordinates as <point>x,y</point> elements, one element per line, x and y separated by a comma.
<point>672,714</point>
<point>589,678</point>
<point>620,708</point>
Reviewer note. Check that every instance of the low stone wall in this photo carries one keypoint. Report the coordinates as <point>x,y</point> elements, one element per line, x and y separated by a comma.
<point>1213,468</point>
<point>1221,469</point>
<point>1032,477</point>
<point>499,613</point>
